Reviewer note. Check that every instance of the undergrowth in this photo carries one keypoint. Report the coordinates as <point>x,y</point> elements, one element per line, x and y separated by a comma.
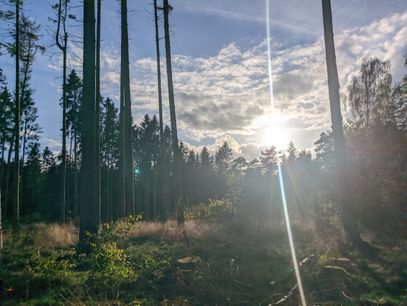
<point>139,263</point>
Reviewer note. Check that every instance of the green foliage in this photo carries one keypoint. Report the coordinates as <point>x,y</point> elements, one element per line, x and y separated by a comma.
<point>110,268</point>
<point>50,268</point>
<point>151,266</point>
<point>117,231</point>
<point>214,211</point>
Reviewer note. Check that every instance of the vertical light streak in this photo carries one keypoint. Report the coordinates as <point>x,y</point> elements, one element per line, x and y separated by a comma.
<point>290,236</point>
<point>269,55</point>
<point>280,174</point>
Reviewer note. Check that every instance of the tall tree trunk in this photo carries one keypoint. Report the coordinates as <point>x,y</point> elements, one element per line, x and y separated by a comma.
<point>3,162</point>
<point>63,47</point>
<point>1,224</point>
<point>89,208</point>
<point>157,47</point>
<point>98,101</point>
<point>120,208</point>
<point>158,180</point>
<point>75,178</point>
<point>22,159</point>
<point>16,208</point>
<point>348,215</point>
<point>24,113</point>
<point>108,194</point>
<point>174,134</point>
<point>23,152</point>
<point>126,200</point>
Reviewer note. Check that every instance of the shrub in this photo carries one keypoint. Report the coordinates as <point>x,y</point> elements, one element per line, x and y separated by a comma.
<point>154,267</point>
<point>110,267</point>
<point>48,269</point>
<point>214,211</point>
<point>119,230</point>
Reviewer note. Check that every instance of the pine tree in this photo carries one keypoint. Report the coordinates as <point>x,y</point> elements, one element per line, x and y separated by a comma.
<point>73,126</point>
<point>348,215</point>
<point>6,131</point>
<point>16,207</point>
<point>174,133</point>
<point>126,168</point>
<point>223,158</point>
<point>62,43</point>
<point>109,153</point>
<point>157,48</point>
<point>98,102</point>
<point>89,208</point>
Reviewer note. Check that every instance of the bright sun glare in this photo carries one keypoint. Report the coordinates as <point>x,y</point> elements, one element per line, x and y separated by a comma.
<point>272,131</point>
<point>275,136</point>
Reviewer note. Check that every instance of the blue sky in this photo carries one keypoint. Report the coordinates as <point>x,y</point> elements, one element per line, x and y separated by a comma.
<point>220,69</point>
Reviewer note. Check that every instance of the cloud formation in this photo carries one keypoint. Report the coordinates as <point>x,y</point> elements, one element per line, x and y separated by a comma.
<point>222,97</point>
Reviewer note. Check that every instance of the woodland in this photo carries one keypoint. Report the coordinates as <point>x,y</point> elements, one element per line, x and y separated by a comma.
<point>126,213</point>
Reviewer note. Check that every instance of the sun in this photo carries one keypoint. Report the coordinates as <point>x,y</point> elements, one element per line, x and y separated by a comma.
<point>275,136</point>
<point>272,130</point>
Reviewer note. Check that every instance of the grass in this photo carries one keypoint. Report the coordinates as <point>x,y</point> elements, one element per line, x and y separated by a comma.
<point>147,263</point>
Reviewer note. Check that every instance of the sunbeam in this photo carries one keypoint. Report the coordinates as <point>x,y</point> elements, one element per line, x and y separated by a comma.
<point>280,174</point>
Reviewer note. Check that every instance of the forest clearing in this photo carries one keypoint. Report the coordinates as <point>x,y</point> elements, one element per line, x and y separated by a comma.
<point>142,263</point>
<point>203,152</point>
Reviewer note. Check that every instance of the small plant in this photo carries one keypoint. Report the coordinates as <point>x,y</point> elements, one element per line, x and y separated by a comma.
<point>117,231</point>
<point>214,211</point>
<point>110,268</point>
<point>49,268</point>
<point>153,266</point>
<point>46,271</point>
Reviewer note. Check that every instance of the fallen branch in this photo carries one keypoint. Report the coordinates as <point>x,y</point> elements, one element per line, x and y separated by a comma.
<point>349,298</point>
<point>340,269</point>
<point>291,292</point>
<point>285,297</point>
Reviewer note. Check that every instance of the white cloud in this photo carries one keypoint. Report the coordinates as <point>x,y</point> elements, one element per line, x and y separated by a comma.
<point>223,95</point>
<point>53,144</point>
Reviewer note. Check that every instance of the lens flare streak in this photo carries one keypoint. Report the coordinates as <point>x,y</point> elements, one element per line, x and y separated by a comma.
<point>269,55</point>
<point>280,174</point>
<point>290,237</point>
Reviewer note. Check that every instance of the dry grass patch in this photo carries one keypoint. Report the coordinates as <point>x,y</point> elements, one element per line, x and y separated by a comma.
<point>55,235</point>
<point>170,229</point>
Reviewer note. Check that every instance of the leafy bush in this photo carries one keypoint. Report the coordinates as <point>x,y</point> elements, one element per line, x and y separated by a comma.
<point>51,268</point>
<point>117,231</point>
<point>110,267</point>
<point>214,211</point>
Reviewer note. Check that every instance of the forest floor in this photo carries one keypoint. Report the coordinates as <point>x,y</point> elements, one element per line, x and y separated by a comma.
<point>145,263</point>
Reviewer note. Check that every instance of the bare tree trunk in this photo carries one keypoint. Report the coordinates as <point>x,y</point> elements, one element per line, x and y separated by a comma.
<point>16,207</point>
<point>23,113</point>
<point>349,218</point>
<point>157,47</point>
<point>23,159</point>
<point>75,192</point>
<point>121,198</point>
<point>24,147</point>
<point>126,200</point>
<point>159,177</point>
<point>89,209</point>
<point>3,162</point>
<point>1,224</point>
<point>98,101</point>
<point>63,47</point>
<point>174,134</point>
<point>108,194</point>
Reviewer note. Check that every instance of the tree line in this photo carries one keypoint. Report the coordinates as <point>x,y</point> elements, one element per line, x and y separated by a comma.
<point>109,167</point>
